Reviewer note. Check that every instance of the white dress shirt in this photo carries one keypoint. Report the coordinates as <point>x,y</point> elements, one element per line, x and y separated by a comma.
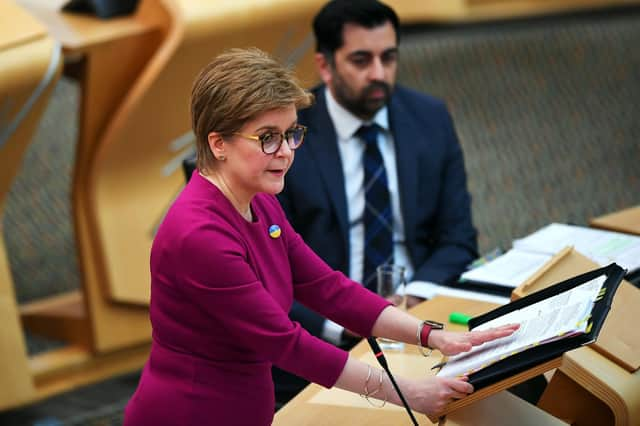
<point>351,151</point>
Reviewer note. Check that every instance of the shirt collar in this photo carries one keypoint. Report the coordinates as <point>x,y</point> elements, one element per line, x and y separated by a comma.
<point>345,123</point>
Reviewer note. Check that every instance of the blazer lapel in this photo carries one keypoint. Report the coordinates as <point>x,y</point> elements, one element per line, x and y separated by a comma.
<point>323,143</point>
<point>404,133</point>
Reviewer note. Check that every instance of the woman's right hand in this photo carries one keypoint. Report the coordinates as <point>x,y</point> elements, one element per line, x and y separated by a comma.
<point>432,394</point>
<point>454,342</point>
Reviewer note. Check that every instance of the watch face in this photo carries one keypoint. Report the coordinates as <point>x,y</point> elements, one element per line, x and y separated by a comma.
<point>434,324</point>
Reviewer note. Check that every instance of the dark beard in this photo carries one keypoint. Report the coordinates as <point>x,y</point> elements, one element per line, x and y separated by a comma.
<point>361,106</point>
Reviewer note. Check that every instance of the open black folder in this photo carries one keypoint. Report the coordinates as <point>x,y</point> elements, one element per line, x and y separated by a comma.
<point>543,352</point>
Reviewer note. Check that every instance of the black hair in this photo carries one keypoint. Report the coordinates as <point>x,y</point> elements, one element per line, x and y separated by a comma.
<point>329,22</point>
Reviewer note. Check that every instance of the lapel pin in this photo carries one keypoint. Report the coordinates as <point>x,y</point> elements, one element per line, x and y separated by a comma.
<point>274,231</point>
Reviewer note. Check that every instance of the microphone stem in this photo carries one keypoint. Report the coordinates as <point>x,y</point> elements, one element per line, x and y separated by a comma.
<point>383,362</point>
<point>404,401</point>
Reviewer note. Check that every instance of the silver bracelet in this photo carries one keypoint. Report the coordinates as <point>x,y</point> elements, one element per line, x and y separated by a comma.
<point>366,383</point>
<point>380,386</point>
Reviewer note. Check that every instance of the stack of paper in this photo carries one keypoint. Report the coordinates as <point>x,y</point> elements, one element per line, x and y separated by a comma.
<point>530,253</point>
<point>603,247</point>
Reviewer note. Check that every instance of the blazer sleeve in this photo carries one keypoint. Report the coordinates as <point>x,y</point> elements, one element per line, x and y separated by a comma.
<point>454,244</point>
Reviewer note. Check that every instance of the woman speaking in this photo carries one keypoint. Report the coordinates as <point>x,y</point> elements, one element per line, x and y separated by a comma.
<point>226,267</point>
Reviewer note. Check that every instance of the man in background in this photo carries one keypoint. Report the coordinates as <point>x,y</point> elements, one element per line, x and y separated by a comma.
<point>381,177</point>
<point>428,213</point>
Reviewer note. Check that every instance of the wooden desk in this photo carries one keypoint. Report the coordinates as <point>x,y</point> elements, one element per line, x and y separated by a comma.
<point>627,220</point>
<point>80,33</point>
<point>319,406</point>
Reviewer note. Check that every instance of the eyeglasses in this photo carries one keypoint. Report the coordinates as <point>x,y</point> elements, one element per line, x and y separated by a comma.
<point>271,141</point>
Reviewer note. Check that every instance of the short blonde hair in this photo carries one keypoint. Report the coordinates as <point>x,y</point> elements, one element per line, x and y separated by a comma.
<point>237,86</point>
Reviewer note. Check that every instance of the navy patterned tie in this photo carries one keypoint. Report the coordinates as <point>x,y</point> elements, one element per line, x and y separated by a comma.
<point>378,230</point>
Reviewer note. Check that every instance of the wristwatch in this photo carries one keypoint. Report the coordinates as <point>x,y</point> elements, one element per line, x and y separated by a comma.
<point>435,325</point>
<point>423,335</point>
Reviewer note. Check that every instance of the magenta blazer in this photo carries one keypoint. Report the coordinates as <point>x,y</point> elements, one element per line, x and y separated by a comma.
<point>221,288</point>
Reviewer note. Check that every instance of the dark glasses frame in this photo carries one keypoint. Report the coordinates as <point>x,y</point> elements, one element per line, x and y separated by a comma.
<point>287,135</point>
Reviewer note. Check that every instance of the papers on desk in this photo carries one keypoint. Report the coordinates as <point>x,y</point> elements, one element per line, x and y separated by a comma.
<point>530,253</point>
<point>603,247</point>
<point>428,290</point>
<point>558,317</point>
<point>509,270</point>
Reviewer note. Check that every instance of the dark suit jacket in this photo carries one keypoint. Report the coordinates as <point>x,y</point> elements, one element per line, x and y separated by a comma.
<point>435,202</point>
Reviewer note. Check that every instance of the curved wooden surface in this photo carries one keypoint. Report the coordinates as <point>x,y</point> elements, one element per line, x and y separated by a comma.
<point>108,57</point>
<point>627,221</point>
<point>590,389</point>
<point>80,33</point>
<point>26,55</point>
<point>110,71</point>
<point>609,382</point>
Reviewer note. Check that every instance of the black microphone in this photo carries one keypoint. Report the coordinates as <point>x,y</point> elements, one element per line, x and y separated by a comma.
<point>383,362</point>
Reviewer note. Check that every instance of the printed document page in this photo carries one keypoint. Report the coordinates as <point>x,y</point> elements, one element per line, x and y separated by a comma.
<point>560,316</point>
<point>509,270</point>
<point>603,247</point>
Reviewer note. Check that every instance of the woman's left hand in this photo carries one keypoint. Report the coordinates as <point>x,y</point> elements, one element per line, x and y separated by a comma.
<point>452,342</point>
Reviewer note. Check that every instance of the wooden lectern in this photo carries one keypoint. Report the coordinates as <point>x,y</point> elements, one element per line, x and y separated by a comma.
<point>598,384</point>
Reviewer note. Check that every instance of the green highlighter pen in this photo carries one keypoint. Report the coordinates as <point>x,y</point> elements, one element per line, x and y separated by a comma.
<point>459,318</point>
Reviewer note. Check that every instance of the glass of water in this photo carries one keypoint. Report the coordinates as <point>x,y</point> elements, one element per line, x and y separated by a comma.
<point>391,285</point>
